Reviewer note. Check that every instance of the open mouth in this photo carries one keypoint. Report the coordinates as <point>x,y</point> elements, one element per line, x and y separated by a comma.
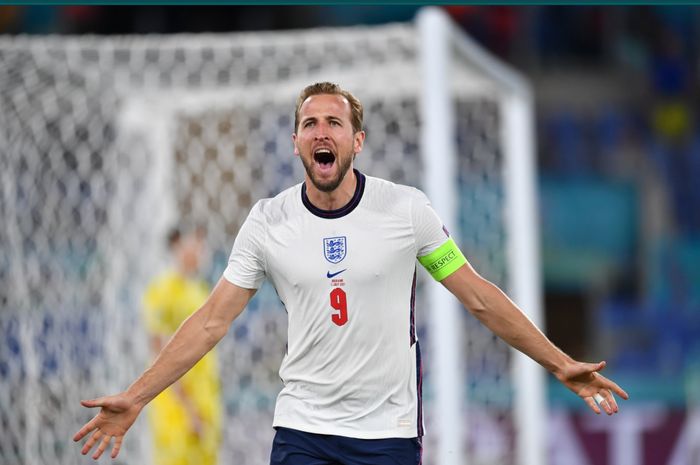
<point>324,157</point>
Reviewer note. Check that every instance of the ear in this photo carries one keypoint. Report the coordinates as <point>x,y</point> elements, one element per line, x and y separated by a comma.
<point>294,141</point>
<point>359,141</point>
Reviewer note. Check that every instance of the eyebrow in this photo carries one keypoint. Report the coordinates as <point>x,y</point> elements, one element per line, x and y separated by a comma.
<point>315,118</point>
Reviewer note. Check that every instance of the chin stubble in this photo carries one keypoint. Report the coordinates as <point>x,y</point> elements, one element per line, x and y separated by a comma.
<point>333,183</point>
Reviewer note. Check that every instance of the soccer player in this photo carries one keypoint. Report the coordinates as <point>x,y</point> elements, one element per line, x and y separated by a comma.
<point>340,249</point>
<point>185,419</point>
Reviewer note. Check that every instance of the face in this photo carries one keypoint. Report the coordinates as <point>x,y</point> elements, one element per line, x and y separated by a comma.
<point>190,252</point>
<point>325,140</point>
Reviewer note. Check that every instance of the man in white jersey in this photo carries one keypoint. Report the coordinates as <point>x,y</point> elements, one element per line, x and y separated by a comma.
<point>340,250</point>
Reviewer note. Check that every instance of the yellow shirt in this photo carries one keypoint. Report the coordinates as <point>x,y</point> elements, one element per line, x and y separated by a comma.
<point>168,301</point>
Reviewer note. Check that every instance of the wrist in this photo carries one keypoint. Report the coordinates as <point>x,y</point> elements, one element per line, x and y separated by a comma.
<point>560,366</point>
<point>136,397</point>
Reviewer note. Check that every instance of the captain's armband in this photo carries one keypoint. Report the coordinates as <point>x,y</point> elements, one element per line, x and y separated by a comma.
<point>444,260</point>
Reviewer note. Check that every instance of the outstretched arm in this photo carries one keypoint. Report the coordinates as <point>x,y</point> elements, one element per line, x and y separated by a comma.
<point>158,342</point>
<point>497,312</point>
<point>196,336</point>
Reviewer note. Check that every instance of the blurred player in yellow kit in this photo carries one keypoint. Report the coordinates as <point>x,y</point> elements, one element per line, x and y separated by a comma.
<point>185,419</point>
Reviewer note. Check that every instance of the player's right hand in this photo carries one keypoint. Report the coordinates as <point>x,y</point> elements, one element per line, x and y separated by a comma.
<point>117,414</point>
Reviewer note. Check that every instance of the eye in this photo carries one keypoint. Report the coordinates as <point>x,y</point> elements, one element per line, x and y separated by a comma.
<point>334,122</point>
<point>308,123</point>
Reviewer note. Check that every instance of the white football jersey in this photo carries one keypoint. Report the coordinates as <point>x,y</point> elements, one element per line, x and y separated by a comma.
<point>347,279</point>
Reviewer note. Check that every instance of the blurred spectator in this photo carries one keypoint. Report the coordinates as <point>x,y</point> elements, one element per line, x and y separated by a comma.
<point>670,82</point>
<point>495,27</point>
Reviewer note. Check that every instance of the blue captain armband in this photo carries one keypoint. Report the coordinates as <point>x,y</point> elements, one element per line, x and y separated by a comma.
<point>444,260</point>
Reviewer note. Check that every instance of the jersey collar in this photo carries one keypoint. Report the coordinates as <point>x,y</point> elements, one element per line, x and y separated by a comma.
<point>342,211</point>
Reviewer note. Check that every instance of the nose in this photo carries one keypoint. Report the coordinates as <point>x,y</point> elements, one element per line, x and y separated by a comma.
<point>321,132</point>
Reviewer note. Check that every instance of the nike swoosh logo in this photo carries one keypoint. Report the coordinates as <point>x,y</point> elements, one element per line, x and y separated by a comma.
<point>330,275</point>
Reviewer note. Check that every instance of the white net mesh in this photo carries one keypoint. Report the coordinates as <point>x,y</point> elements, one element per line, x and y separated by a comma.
<point>109,140</point>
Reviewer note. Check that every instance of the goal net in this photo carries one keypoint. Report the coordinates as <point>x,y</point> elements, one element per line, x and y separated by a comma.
<point>109,141</point>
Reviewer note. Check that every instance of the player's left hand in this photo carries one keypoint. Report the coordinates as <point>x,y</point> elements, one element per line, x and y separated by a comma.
<point>595,389</point>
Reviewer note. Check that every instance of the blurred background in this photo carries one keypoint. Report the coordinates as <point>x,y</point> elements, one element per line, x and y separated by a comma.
<point>618,163</point>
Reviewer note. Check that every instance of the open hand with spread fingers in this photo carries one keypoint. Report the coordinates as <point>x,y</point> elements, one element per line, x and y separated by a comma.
<point>585,380</point>
<point>117,414</point>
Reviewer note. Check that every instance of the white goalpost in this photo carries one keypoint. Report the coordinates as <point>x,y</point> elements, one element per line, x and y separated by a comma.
<point>108,141</point>
<point>440,42</point>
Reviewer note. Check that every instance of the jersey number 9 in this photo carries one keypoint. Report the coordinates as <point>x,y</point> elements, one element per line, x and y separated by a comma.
<point>340,303</point>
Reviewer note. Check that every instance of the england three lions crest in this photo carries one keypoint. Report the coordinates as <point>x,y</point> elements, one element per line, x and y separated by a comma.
<point>334,248</point>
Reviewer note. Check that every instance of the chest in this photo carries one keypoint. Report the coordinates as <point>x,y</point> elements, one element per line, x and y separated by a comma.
<point>358,247</point>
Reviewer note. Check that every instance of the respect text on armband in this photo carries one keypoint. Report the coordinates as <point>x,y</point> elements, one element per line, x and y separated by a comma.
<point>442,261</point>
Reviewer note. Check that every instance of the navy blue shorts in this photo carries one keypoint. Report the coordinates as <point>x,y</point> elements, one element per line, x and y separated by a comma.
<point>293,447</point>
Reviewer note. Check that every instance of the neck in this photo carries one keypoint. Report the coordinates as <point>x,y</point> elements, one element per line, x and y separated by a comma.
<point>186,272</point>
<point>335,199</point>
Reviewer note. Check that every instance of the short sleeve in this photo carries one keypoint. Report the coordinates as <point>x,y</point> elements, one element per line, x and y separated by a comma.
<point>246,264</point>
<point>428,228</point>
<point>435,249</point>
